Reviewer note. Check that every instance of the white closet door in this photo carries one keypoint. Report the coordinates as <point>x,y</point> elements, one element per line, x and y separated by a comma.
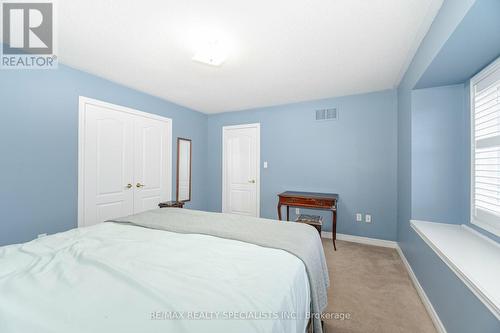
<point>108,164</point>
<point>152,148</point>
<point>125,162</point>
<point>241,161</point>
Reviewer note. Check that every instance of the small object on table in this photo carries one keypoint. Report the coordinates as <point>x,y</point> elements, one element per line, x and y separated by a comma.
<point>325,201</point>
<point>169,204</point>
<point>313,220</point>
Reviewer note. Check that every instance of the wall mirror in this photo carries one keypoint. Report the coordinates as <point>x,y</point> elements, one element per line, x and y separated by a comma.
<point>183,169</point>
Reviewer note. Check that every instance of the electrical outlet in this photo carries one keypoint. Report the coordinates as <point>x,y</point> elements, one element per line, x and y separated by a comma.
<point>368,218</point>
<point>297,211</point>
<point>359,217</point>
<point>265,165</point>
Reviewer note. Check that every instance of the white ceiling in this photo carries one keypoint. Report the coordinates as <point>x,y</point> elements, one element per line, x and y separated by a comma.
<point>282,51</point>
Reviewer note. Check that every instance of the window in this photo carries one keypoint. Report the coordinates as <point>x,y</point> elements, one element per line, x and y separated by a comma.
<point>485,157</point>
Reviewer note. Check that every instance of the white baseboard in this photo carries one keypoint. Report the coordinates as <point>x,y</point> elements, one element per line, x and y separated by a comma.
<point>423,296</point>
<point>360,239</point>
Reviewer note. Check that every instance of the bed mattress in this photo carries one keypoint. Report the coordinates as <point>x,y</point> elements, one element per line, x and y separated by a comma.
<point>121,278</point>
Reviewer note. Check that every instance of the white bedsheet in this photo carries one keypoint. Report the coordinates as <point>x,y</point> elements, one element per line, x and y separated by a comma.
<point>120,278</point>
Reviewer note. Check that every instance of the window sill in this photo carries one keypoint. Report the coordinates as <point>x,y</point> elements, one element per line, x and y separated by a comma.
<point>474,258</point>
<point>488,227</point>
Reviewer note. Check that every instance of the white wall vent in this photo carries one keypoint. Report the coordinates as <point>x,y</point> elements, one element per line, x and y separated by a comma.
<point>327,114</point>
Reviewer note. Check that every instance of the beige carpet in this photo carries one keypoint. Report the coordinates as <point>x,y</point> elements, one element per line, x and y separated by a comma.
<point>372,285</point>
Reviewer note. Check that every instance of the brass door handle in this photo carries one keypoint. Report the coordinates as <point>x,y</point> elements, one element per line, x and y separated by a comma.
<point>252,181</point>
<point>139,185</point>
<point>129,185</point>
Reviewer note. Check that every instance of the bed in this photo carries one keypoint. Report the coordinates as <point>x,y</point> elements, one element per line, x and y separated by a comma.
<point>121,276</point>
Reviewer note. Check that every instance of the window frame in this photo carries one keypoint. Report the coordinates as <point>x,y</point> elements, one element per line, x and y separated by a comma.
<point>490,69</point>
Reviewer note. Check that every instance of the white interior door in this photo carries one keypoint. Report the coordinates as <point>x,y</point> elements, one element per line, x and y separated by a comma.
<point>150,167</point>
<point>125,163</point>
<point>108,164</point>
<point>241,170</point>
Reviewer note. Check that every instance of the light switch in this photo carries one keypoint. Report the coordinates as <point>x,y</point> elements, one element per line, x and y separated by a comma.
<point>265,164</point>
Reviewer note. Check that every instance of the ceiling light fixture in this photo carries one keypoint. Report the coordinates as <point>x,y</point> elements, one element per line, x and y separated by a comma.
<point>212,53</point>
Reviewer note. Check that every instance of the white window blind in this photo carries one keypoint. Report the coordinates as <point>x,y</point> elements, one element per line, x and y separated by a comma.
<point>485,168</point>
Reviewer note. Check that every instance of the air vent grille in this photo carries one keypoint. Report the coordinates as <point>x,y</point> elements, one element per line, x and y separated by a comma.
<point>326,114</point>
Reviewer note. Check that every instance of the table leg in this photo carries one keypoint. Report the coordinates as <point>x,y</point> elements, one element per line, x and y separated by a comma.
<point>279,211</point>
<point>334,225</point>
<point>288,213</point>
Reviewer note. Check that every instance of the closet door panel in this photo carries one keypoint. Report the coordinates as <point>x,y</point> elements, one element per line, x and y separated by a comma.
<point>150,163</point>
<point>108,164</point>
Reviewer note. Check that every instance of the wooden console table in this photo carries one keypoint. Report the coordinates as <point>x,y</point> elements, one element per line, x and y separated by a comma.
<point>324,201</point>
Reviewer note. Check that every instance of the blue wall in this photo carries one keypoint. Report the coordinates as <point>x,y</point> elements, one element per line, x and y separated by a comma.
<point>441,155</point>
<point>354,156</point>
<point>39,146</point>
<point>474,42</point>
<point>445,23</point>
<point>440,144</point>
<point>459,310</point>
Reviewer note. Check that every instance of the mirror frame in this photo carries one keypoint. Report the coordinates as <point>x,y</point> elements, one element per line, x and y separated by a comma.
<point>190,167</point>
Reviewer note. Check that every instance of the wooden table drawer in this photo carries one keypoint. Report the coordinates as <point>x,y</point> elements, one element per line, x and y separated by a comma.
<point>306,202</point>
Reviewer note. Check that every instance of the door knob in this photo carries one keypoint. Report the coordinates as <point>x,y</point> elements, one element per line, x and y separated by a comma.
<point>252,181</point>
<point>139,185</point>
<point>129,185</point>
